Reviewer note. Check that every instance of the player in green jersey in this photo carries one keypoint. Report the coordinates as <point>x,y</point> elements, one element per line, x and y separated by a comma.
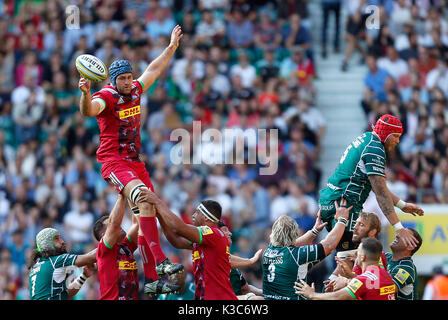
<point>360,170</point>
<point>288,258</point>
<point>242,289</point>
<point>186,291</point>
<point>401,267</point>
<point>51,265</point>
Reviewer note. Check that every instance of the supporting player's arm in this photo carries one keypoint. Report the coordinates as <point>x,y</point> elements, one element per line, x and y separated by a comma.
<point>386,202</point>
<point>133,230</point>
<point>238,262</point>
<point>176,241</point>
<point>305,290</point>
<point>87,107</point>
<point>310,235</point>
<point>76,284</point>
<point>85,259</point>
<point>157,66</point>
<point>332,239</point>
<point>173,222</point>
<point>113,229</point>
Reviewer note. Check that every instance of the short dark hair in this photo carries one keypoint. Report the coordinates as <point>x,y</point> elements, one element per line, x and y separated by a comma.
<point>419,239</point>
<point>372,248</point>
<point>214,208</point>
<point>98,227</point>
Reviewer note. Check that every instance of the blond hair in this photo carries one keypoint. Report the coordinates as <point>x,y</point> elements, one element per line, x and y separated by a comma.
<point>284,232</point>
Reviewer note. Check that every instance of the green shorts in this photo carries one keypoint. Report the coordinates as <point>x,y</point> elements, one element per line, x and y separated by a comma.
<point>328,211</point>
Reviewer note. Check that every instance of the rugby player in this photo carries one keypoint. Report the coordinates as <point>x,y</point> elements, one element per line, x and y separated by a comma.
<point>375,283</point>
<point>284,262</point>
<point>117,109</point>
<point>360,170</point>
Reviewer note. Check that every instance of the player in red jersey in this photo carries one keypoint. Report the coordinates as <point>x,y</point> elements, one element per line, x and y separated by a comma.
<point>209,245</point>
<point>368,225</point>
<point>375,283</point>
<point>117,109</point>
<point>117,268</point>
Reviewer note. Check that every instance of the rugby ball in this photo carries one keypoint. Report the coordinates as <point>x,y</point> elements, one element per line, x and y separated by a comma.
<point>90,67</point>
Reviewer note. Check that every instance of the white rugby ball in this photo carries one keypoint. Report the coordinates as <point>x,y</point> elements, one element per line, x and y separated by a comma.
<point>90,67</point>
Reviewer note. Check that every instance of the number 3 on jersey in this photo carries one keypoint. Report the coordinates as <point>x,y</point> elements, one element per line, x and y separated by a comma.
<point>271,275</point>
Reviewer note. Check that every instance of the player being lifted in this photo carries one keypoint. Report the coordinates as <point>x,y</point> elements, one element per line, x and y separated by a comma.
<point>117,109</point>
<point>360,170</point>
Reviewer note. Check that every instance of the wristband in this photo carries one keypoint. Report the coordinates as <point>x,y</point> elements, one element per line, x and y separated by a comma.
<point>398,226</point>
<point>78,282</point>
<point>343,221</point>
<point>401,204</point>
<point>314,231</point>
<point>250,295</point>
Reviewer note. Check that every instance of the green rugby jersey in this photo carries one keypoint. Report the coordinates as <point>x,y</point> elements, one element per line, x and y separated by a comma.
<point>48,277</point>
<point>188,294</point>
<point>363,157</point>
<point>404,274</point>
<point>237,280</point>
<point>282,266</point>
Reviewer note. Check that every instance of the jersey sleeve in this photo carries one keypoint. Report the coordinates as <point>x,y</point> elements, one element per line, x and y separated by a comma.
<point>374,159</point>
<point>356,287</point>
<point>102,99</point>
<point>131,244</point>
<point>64,260</point>
<point>402,276</point>
<point>206,235</point>
<point>311,253</point>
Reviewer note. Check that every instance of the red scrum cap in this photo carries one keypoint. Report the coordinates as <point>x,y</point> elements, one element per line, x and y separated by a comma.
<point>387,125</point>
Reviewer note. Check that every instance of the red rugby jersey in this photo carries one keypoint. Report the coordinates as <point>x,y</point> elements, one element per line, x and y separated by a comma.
<point>117,271</point>
<point>211,266</point>
<point>374,284</point>
<point>382,262</point>
<point>119,124</point>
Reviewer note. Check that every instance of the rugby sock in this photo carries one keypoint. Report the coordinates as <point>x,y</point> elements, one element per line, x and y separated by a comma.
<point>148,225</point>
<point>149,265</point>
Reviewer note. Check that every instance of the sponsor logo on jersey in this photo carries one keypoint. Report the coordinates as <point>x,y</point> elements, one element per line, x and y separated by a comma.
<point>206,230</point>
<point>195,255</point>
<point>227,250</point>
<point>127,265</point>
<point>129,112</point>
<point>402,275</point>
<point>387,290</point>
<point>354,285</point>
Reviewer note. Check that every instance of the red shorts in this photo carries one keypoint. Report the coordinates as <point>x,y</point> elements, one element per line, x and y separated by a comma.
<point>121,172</point>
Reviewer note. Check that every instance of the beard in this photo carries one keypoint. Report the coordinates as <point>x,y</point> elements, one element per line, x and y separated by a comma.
<point>54,252</point>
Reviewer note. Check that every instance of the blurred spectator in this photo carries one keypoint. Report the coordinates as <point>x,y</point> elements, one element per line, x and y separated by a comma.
<point>240,31</point>
<point>161,25</point>
<point>329,6</point>
<point>28,107</point>
<point>244,69</point>
<point>437,287</point>
<point>209,30</point>
<point>78,225</point>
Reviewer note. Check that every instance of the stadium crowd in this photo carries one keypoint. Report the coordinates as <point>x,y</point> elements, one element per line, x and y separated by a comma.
<point>241,65</point>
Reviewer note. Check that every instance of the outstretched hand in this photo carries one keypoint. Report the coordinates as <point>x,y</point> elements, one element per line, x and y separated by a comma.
<point>413,209</point>
<point>319,225</point>
<point>176,35</point>
<point>342,211</point>
<point>84,85</point>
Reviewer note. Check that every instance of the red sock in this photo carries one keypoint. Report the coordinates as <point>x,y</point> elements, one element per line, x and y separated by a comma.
<point>149,265</point>
<point>148,225</point>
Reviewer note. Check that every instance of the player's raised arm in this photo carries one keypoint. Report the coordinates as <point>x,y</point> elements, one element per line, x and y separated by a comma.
<point>332,239</point>
<point>386,203</point>
<point>173,222</point>
<point>157,66</point>
<point>87,107</point>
